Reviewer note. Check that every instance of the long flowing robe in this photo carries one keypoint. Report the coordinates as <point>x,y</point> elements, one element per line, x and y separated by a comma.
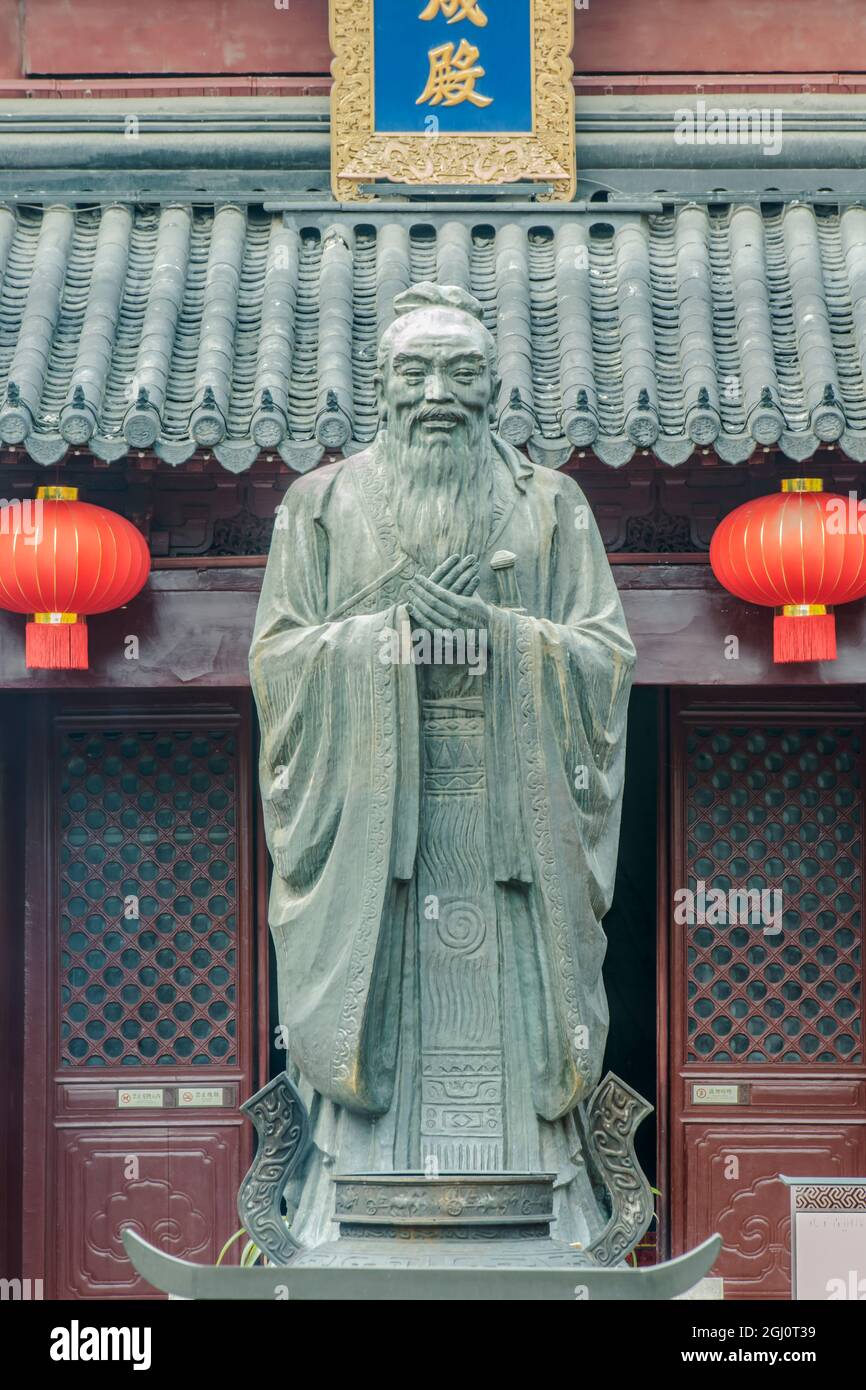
<point>348,789</point>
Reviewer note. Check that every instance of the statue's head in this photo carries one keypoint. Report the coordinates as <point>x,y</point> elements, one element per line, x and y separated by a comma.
<point>436,377</point>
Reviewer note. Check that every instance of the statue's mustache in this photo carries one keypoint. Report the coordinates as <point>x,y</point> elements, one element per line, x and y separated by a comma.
<point>445,414</point>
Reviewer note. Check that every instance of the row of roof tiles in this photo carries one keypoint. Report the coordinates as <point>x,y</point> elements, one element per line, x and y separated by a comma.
<point>175,328</point>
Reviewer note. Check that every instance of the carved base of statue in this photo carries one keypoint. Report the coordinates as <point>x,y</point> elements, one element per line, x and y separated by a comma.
<point>399,1220</point>
<point>437,1215</point>
<point>487,1235</point>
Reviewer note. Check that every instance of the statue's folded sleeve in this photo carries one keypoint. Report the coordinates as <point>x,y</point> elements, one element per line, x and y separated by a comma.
<point>340,795</point>
<point>558,715</point>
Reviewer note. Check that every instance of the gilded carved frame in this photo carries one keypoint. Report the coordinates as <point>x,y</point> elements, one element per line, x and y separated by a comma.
<point>359,155</point>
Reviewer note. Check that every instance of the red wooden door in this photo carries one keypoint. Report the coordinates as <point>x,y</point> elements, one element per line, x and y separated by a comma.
<point>138,1011</point>
<point>767,1072</point>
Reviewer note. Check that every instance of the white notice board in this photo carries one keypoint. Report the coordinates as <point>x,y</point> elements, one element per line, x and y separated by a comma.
<point>828,1238</point>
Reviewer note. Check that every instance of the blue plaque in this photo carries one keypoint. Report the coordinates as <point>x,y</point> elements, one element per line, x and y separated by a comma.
<point>468,93</point>
<point>465,63</point>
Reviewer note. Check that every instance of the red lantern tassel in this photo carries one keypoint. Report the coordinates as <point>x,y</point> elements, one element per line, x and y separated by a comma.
<point>56,646</point>
<point>804,632</point>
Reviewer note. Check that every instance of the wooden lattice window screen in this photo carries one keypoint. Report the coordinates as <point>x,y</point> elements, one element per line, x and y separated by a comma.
<point>147,815</point>
<point>776,807</point>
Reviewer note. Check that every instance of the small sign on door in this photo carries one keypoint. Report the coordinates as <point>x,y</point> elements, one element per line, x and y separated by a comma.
<point>200,1095</point>
<point>140,1098</point>
<point>704,1093</point>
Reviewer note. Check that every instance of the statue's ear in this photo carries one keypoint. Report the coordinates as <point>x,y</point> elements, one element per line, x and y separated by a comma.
<point>380,395</point>
<point>495,383</point>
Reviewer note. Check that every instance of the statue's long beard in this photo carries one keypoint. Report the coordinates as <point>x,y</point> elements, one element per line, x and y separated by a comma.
<point>441,494</point>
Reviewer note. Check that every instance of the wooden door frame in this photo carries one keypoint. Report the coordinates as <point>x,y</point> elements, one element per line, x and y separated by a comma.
<point>40,1074</point>
<point>38,1254</point>
<point>12,757</point>
<point>818,705</point>
<point>663,899</point>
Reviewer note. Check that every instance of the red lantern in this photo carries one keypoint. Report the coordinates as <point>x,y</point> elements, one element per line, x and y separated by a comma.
<point>799,551</point>
<point>77,559</point>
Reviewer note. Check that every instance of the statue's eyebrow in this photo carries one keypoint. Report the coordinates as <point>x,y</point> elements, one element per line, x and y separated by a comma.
<point>405,359</point>
<point>408,359</point>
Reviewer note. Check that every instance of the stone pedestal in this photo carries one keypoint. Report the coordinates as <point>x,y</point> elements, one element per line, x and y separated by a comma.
<point>407,1220</point>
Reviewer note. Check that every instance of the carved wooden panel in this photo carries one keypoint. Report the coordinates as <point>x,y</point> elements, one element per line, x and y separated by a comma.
<point>168,1184</point>
<point>732,1186</point>
<point>203,509</point>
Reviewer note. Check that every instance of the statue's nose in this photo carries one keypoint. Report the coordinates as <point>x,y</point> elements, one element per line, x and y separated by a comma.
<point>435,387</point>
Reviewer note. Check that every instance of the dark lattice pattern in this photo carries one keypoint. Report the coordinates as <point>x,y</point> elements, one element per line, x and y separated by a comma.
<point>150,816</point>
<point>776,808</point>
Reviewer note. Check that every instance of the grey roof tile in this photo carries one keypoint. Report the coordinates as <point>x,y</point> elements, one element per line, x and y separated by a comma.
<point>176,327</point>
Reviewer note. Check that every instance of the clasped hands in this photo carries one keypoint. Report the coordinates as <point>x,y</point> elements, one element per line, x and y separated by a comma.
<point>447,598</point>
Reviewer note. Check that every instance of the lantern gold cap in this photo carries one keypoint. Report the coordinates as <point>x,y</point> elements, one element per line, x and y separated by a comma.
<point>57,494</point>
<point>802,485</point>
<point>804,610</point>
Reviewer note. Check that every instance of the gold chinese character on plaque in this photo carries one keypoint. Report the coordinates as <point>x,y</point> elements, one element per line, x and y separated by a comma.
<point>453,76</point>
<point>453,10</point>
<point>415,101</point>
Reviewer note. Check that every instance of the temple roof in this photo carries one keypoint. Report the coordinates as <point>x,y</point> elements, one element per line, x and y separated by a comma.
<point>235,329</point>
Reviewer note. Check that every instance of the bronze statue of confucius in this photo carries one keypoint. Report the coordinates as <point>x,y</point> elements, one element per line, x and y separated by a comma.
<point>442,671</point>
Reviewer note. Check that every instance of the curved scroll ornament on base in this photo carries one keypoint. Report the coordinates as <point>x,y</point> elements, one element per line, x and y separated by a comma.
<point>613,1115</point>
<point>283,1128</point>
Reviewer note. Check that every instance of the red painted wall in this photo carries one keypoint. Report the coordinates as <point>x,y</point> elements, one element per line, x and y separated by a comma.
<point>174,36</point>
<point>57,38</point>
<point>738,36</point>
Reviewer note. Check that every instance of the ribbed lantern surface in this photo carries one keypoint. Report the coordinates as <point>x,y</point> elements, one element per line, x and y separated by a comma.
<point>800,551</point>
<point>72,559</point>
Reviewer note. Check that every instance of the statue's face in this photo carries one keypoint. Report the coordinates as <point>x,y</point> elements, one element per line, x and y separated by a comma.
<point>437,383</point>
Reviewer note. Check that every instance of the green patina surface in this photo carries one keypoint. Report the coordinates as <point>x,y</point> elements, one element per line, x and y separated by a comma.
<point>443,820</point>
